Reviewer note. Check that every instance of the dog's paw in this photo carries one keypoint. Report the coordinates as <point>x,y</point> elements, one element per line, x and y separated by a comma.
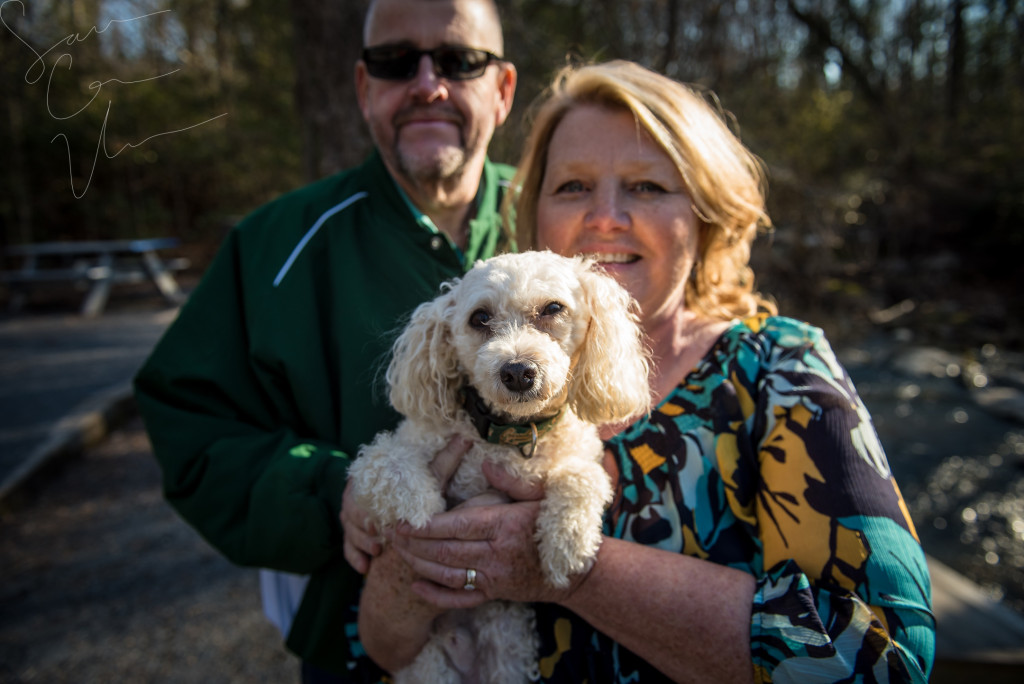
<point>569,523</point>
<point>567,543</point>
<point>392,490</point>
<point>417,507</point>
<point>565,556</point>
<point>392,499</point>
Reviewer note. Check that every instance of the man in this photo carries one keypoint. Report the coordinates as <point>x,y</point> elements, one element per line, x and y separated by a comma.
<point>259,395</point>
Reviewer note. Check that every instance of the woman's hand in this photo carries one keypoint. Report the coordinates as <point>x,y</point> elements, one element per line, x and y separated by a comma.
<point>361,539</point>
<point>491,534</point>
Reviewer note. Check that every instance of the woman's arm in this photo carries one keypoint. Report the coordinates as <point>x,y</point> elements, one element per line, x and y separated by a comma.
<point>844,589</point>
<point>394,622</point>
<point>687,617</point>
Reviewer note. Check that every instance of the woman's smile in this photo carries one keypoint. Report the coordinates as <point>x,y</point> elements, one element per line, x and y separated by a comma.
<point>622,202</point>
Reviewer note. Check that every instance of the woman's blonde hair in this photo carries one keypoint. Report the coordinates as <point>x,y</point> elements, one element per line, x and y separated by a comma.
<point>725,181</point>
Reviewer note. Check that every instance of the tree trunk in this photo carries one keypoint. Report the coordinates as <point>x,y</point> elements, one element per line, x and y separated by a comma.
<point>328,40</point>
<point>957,52</point>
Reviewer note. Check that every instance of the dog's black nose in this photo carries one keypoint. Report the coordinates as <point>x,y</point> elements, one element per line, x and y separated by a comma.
<point>518,376</point>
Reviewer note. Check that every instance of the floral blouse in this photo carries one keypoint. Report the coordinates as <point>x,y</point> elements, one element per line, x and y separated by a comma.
<point>764,459</point>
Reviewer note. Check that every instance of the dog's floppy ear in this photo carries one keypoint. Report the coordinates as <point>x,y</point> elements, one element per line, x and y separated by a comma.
<point>610,382</point>
<point>423,376</point>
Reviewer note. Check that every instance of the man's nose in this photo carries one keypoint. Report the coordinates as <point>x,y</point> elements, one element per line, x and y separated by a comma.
<point>427,85</point>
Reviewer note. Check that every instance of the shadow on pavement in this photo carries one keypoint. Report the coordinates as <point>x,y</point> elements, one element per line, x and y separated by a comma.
<point>101,581</point>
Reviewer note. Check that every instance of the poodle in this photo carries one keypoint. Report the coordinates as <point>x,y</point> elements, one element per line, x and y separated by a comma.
<point>525,355</point>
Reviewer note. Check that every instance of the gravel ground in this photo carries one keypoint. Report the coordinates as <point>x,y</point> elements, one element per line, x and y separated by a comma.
<point>100,581</point>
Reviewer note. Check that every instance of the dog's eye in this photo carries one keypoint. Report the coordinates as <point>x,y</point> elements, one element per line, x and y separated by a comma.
<point>552,308</point>
<point>478,319</point>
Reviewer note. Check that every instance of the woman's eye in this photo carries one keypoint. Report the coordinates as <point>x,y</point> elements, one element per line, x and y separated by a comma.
<point>478,319</point>
<point>570,187</point>
<point>552,308</point>
<point>648,187</point>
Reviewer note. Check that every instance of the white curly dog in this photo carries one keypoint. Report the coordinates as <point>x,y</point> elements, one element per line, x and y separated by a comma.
<point>525,356</point>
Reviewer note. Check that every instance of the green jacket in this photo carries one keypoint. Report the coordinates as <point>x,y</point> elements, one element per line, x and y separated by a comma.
<point>270,379</point>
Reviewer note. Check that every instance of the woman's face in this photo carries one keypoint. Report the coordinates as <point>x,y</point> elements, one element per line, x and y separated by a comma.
<point>610,191</point>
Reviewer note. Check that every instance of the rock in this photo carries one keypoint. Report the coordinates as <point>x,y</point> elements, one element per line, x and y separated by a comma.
<point>1005,402</point>
<point>923,362</point>
<point>1010,377</point>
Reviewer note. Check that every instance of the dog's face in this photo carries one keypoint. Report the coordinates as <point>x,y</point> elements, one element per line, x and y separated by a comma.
<point>517,324</point>
<point>530,332</point>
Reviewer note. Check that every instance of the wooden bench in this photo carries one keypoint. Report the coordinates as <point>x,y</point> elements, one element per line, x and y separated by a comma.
<point>97,265</point>
<point>977,639</point>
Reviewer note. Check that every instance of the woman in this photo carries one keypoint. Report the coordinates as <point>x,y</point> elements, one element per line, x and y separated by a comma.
<point>756,534</point>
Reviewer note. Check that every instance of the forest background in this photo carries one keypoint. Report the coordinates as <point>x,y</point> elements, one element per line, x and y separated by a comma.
<point>892,130</point>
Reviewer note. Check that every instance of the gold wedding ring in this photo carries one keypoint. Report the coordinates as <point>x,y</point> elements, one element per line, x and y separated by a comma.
<point>470,580</point>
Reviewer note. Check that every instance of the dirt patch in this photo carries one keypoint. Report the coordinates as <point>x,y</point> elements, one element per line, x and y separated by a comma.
<point>100,581</point>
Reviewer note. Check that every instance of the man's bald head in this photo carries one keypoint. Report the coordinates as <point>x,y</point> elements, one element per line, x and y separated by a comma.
<point>482,13</point>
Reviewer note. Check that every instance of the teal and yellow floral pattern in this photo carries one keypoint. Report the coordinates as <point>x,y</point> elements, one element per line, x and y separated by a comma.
<point>764,459</point>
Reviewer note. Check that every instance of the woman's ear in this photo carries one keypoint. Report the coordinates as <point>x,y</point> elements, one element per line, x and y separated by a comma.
<point>611,380</point>
<point>423,374</point>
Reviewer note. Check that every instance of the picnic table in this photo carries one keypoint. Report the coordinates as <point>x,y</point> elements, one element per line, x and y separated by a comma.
<point>96,264</point>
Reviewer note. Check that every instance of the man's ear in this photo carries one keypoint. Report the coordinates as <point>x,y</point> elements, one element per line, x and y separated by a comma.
<point>362,83</point>
<point>507,79</point>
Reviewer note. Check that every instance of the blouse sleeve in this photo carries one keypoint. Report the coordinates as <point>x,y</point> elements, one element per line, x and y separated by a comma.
<point>846,593</point>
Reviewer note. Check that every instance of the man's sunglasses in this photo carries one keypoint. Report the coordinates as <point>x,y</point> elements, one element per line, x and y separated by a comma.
<point>402,62</point>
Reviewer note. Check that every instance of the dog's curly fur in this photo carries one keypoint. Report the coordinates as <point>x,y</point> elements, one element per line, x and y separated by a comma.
<point>534,334</point>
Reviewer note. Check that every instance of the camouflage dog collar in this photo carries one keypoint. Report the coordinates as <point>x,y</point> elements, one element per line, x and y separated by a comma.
<point>523,436</point>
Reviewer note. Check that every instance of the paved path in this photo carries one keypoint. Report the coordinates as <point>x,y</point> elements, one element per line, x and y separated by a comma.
<point>62,376</point>
<point>101,582</point>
